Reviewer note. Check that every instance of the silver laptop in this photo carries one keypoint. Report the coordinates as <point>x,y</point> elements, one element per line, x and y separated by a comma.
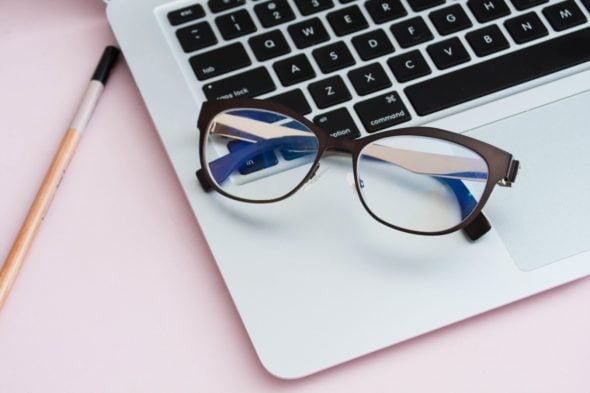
<point>315,279</point>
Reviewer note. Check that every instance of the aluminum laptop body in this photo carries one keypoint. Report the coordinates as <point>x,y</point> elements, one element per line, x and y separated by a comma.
<point>316,280</point>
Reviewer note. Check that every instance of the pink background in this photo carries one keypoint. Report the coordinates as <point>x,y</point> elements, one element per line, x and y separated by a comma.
<point>120,293</point>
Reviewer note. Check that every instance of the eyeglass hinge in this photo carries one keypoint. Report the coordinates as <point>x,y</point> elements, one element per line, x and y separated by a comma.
<point>511,174</point>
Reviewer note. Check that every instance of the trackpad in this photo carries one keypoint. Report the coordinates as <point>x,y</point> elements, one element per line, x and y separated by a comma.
<point>545,217</point>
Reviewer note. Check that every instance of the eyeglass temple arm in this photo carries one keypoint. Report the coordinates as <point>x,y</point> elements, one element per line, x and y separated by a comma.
<point>480,224</point>
<point>222,168</point>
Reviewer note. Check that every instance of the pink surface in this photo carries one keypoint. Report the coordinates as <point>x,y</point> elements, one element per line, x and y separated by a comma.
<point>120,293</point>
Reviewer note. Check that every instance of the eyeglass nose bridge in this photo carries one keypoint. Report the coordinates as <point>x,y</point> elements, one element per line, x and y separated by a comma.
<point>340,145</point>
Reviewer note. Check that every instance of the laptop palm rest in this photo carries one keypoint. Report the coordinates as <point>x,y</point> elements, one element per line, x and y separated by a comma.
<point>544,217</point>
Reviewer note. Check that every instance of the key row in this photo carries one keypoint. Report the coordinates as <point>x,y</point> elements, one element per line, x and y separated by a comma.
<point>326,93</point>
<point>408,33</point>
<point>274,12</point>
<point>426,97</point>
<point>407,66</point>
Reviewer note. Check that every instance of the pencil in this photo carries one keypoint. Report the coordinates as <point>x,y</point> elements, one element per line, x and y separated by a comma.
<point>64,154</point>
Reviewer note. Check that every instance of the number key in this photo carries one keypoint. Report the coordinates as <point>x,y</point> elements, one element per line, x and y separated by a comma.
<point>272,13</point>
<point>308,7</point>
<point>235,24</point>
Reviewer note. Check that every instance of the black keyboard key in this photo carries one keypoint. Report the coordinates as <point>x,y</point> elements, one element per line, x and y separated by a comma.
<point>329,92</point>
<point>448,53</point>
<point>450,19</point>
<point>219,61</point>
<point>223,5</point>
<point>487,10</point>
<point>487,40</point>
<point>333,57</point>
<point>564,15</point>
<point>347,20</point>
<point>382,112</point>
<point>235,24</point>
<point>195,37</point>
<point>294,70</point>
<point>272,13</point>
<point>338,124</point>
<point>524,4</point>
<point>308,7</point>
<point>385,10</point>
<point>268,45</point>
<point>372,44</point>
<point>308,33</point>
<point>256,163</point>
<point>293,99</point>
<point>411,32</point>
<point>248,84</point>
<point>526,27</point>
<point>408,66</point>
<point>500,73</point>
<point>419,5</point>
<point>186,14</point>
<point>369,79</point>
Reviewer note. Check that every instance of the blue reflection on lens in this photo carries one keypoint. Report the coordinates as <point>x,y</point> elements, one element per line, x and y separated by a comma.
<point>224,166</point>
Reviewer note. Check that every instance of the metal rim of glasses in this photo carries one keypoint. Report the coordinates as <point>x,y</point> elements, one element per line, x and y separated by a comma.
<point>502,168</point>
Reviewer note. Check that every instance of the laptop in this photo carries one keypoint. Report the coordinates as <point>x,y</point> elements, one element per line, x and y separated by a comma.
<point>315,280</point>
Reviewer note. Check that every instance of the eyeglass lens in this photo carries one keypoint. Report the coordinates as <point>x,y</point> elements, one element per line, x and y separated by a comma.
<point>420,183</point>
<point>259,155</point>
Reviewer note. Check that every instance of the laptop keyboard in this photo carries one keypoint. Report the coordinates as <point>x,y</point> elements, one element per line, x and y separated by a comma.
<point>365,66</point>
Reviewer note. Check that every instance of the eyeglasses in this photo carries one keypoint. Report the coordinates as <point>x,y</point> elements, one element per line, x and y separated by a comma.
<point>418,180</point>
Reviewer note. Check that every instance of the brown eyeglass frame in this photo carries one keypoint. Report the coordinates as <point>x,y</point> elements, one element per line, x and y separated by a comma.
<point>502,168</point>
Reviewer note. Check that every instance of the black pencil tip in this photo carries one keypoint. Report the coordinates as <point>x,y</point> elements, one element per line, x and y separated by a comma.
<point>105,65</point>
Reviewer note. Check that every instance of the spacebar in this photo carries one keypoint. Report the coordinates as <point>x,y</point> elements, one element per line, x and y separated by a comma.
<point>500,73</point>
